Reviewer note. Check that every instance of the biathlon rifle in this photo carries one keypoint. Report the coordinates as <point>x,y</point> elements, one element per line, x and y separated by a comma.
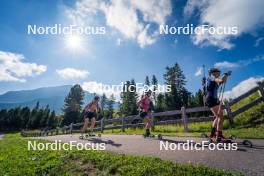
<point>204,84</point>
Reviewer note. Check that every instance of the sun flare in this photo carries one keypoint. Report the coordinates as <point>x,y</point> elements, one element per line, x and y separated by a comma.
<point>74,42</point>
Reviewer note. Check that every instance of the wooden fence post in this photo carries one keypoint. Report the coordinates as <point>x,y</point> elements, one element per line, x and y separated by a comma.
<point>184,119</point>
<point>229,112</point>
<point>123,125</point>
<point>71,125</point>
<point>102,125</point>
<point>261,89</point>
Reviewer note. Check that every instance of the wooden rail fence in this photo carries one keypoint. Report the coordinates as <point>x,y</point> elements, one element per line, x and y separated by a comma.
<point>127,122</point>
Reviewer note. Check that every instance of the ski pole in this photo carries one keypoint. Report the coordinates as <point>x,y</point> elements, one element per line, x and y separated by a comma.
<point>221,96</point>
<point>221,88</point>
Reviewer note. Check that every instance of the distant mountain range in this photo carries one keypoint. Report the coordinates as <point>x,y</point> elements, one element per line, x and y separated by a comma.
<point>52,96</point>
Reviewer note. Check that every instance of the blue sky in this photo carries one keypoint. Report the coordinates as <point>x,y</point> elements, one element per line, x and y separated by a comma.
<point>126,51</point>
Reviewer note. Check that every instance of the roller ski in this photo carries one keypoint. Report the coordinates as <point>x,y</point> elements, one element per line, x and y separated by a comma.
<point>153,136</point>
<point>88,135</point>
<point>230,139</point>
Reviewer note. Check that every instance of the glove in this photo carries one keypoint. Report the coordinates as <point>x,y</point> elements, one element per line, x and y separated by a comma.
<point>228,73</point>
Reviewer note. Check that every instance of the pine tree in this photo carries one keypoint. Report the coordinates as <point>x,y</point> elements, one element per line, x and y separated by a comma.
<point>103,101</point>
<point>133,97</point>
<point>46,113</point>
<point>160,105</point>
<point>198,98</point>
<point>129,99</point>
<point>147,82</point>
<point>25,116</point>
<point>33,117</point>
<point>178,96</point>
<point>3,119</point>
<point>72,104</point>
<point>51,122</point>
<point>10,118</point>
<point>38,117</point>
<point>124,105</point>
<point>154,83</point>
<point>110,106</point>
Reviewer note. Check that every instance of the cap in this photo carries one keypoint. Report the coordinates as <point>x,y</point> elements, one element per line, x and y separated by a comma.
<point>213,70</point>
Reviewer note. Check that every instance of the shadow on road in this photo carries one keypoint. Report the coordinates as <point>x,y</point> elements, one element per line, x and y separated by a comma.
<point>258,147</point>
<point>110,142</point>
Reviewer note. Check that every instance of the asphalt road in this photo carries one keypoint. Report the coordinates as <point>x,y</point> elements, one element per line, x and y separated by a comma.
<point>247,160</point>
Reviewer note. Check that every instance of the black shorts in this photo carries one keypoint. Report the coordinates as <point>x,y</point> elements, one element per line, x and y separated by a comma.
<point>211,102</point>
<point>89,115</point>
<point>143,114</point>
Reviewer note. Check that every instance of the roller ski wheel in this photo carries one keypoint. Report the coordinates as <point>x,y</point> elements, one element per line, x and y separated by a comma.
<point>92,135</point>
<point>81,137</point>
<point>159,136</point>
<point>145,136</point>
<point>216,141</point>
<point>247,143</point>
<point>232,137</point>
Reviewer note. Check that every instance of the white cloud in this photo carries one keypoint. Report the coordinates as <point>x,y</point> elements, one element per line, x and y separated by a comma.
<point>144,38</point>
<point>247,15</point>
<point>226,64</point>
<point>206,39</point>
<point>243,87</point>
<point>193,5</point>
<point>153,11</point>
<point>12,67</point>
<point>71,73</point>
<point>199,71</point>
<point>240,63</point>
<point>131,18</point>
